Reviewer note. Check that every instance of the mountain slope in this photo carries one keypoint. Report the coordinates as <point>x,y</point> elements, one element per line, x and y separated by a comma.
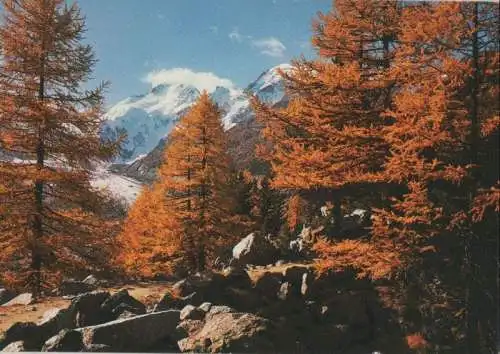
<point>147,138</point>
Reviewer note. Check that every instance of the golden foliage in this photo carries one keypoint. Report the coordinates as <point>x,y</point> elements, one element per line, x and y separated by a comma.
<point>51,219</point>
<point>187,216</point>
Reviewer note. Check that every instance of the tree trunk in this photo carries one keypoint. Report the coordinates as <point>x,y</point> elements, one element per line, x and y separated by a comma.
<point>471,292</point>
<point>36,259</point>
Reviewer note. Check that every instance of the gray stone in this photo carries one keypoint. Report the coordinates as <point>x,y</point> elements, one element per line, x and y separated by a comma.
<point>119,302</point>
<point>137,333</point>
<point>74,287</point>
<point>205,307</point>
<point>87,308</point>
<point>15,347</point>
<point>55,320</point>
<point>230,332</point>
<point>237,278</point>
<point>23,299</point>
<point>269,284</point>
<point>65,341</point>
<point>254,249</point>
<point>189,312</point>
<point>91,280</point>
<point>285,291</point>
<point>27,332</point>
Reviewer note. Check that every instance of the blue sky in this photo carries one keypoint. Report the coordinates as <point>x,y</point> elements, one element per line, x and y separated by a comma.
<point>231,39</point>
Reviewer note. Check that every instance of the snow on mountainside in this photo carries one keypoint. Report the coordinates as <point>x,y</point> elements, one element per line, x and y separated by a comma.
<point>150,117</point>
<point>116,185</point>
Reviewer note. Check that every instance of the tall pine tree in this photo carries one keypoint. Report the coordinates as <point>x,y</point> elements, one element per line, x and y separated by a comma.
<point>327,143</point>
<point>49,214</point>
<point>194,187</point>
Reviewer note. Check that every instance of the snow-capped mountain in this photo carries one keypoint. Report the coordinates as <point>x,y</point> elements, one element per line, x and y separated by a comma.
<point>150,117</point>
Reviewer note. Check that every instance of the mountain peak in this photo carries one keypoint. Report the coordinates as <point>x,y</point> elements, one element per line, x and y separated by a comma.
<point>150,117</point>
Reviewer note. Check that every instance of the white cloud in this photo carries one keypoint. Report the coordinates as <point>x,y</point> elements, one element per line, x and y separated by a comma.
<point>201,80</point>
<point>270,46</point>
<point>235,35</point>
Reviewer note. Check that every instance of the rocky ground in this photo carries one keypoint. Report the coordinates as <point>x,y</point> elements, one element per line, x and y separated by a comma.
<point>249,306</point>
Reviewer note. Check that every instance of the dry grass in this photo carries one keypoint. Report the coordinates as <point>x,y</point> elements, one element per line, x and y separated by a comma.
<point>148,294</point>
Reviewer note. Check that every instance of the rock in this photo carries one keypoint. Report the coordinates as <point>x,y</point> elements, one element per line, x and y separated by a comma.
<point>205,307</point>
<point>205,284</point>
<point>280,262</point>
<point>6,295</point>
<point>295,276</point>
<point>171,302</point>
<point>34,335</point>
<point>87,308</point>
<point>237,278</point>
<point>138,333</point>
<point>55,320</point>
<point>306,283</point>
<point>254,249</point>
<point>187,328</point>
<point>354,223</point>
<point>119,302</point>
<point>216,310</point>
<point>182,288</point>
<point>190,312</point>
<point>23,299</point>
<point>285,291</point>
<point>230,332</point>
<point>65,341</point>
<point>27,332</point>
<point>74,287</point>
<point>91,280</point>
<point>245,300</point>
<point>98,348</point>
<point>268,284</point>
<point>15,347</point>
<point>126,314</point>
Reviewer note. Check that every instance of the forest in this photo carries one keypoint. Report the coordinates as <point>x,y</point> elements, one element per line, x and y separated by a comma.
<point>397,116</point>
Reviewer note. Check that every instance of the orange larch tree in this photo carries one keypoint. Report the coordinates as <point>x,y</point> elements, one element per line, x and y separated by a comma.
<point>327,144</point>
<point>49,220</point>
<point>149,242</point>
<point>444,152</point>
<point>194,185</point>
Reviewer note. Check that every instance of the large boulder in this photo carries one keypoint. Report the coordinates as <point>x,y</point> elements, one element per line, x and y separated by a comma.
<point>23,299</point>
<point>229,331</point>
<point>236,277</point>
<point>139,333</point>
<point>27,332</point>
<point>74,287</point>
<point>120,302</point>
<point>55,320</point>
<point>172,302</point>
<point>268,285</point>
<point>33,335</point>
<point>207,285</point>
<point>65,341</point>
<point>87,308</point>
<point>6,295</point>
<point>254,249</point>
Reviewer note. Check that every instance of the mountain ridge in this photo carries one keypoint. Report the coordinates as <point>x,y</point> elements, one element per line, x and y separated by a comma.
<point>238,120</point>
